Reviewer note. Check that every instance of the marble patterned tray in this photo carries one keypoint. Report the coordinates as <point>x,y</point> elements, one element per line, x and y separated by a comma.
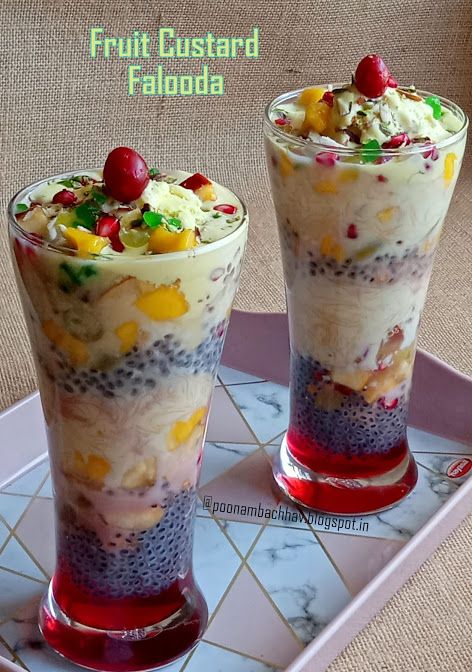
<point>285,594</point>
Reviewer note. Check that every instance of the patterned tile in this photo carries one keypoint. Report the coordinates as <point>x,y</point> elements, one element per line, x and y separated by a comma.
<point>4,532</point>
<point>29,482</point>
<point>371,556</point>
<point>24,637</point>
<point>235,377</point>
<point>15,557</point>
<point>457,468</point>
<point>12,506</point>
<point>404,520</point>
<point>46,490</point>
<point>265,407</point>
<point>241,534</point>
<point>246,493</point>
<point>218,457</point>
<point>15,590</point>
<point>297,574</point>
<point>258,631</point>
<point>225,423</point>
<point>36,531</point>
<point>215,561</point>
<point>209,657</point>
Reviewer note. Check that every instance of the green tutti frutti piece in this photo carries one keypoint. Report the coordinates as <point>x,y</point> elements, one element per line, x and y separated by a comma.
<point>98,196</point>
<point>174,223</point>
<point>153,172</point>
<point>153,219</point>
<point>21,207</point>
<point>435,103</point>
<point>86,214</point>
<point>72,183</point>
<point>370,151</point>
<point>70,277</point>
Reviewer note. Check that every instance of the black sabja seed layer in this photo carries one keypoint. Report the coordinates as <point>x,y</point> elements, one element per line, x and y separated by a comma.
<point>378,269</point>
<point>140,370</point>
<point>355,428</point>
<point>154,560</point>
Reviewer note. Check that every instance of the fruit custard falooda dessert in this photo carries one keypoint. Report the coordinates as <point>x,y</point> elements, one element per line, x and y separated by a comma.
<point>362,176</point>
<point>127,280</point>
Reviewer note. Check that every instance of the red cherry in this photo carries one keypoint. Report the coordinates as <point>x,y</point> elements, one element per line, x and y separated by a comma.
<point>226,208</point>
<point>64,197</point>
<point>372,76</point>
<point>195,181</point>
<point>107,226</point>
<point>328,98</point>
<point>352,231</point>
<point>125,174</point>
<point>397,141</point>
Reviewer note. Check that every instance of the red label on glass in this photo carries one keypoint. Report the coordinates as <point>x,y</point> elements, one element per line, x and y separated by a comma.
<point>459,468</point>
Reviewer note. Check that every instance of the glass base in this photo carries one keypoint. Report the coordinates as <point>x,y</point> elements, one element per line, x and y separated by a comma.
<point>344,496</point>
<point>144,648</point>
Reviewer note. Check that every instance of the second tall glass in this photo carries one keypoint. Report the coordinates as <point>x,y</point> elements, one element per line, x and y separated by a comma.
<point>358,234</point>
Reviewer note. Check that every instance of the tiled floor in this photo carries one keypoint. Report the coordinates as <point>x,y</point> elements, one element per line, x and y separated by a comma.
<point>295,574</point>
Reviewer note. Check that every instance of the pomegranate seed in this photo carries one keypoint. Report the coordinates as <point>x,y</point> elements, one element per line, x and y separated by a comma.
<point>397,141</point>
<point>372,76</point>
<point>107,226</point>
<point>226,208</point>
<point>432,152</point>
<point>392,82</point>
<point>328,98</point>
<point>352,231</point>
<point>382,178</point>
<point>195,181</point>
<point>327,159</point>
<point>126,174</point>
<point>389,405</point>
<point>116,244</point>
<point>281,122</point>
<point>64,197</point>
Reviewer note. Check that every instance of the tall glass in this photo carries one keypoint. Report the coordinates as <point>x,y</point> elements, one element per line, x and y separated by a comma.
<point>358,233</point>
<point>126,351</point>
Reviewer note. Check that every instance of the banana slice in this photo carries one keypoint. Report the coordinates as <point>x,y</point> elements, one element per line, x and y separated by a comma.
<point>135,520</point>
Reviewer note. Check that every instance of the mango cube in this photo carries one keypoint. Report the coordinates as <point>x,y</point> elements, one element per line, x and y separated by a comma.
<point>76,349</point>
<point>311,95</point>
<point>166,302</point>
<point>128,334</point>
<point>317,117</point>
<point>449,162</point>
<point>163,240</point>
<point>206,193</point>
<point>85,243</point>
<point>182,429</point>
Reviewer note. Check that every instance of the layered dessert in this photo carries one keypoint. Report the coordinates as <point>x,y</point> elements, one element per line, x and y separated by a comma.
<point>127,278</point>
<point>362,176</point>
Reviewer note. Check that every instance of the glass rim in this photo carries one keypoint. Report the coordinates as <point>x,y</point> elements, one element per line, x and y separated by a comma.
<point>62,249</point>
<point>413,148</point>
